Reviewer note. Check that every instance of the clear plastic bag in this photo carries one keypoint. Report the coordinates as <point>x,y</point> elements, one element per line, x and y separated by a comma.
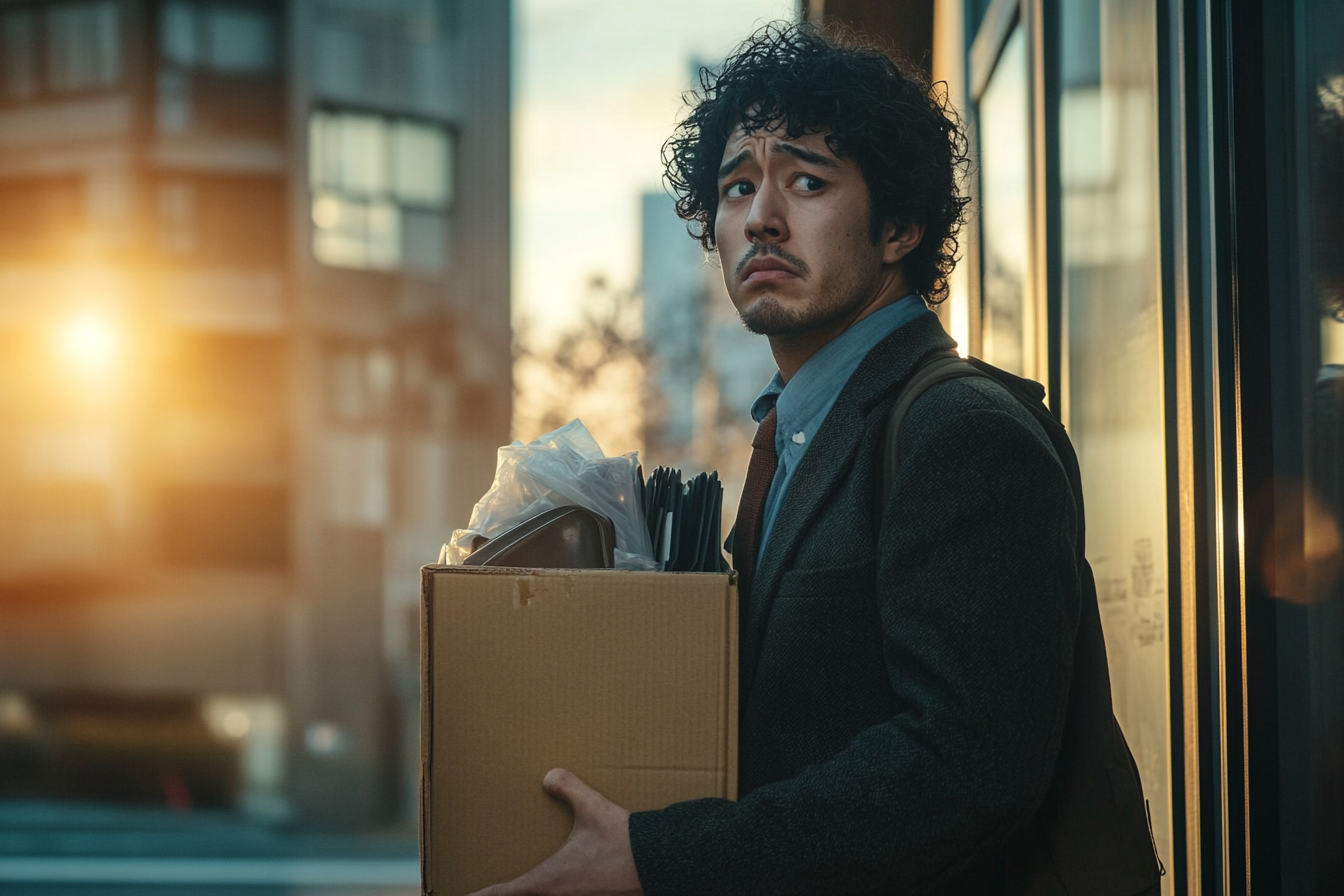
<point>561,468</point>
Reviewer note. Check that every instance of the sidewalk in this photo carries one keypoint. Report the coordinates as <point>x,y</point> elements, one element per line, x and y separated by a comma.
<point>74,849</point>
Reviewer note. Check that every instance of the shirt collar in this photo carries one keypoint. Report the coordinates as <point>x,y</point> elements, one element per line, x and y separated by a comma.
<point>822,376</point>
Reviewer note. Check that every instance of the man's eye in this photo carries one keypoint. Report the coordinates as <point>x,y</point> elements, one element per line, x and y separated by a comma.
<point>738,189</point>
<point>808,184</point>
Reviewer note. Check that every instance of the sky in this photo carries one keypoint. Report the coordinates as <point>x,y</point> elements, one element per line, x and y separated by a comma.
<point>597,90</point>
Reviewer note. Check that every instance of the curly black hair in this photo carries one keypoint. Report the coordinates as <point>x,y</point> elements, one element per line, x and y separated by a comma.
<point>881,112</point>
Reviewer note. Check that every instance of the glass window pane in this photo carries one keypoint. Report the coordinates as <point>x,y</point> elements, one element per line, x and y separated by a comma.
<point>177,33</point>
<point>83,46</point>
<point>18,54</point>
<point>339,227</point>
<point>424,241</point>
<point>321,148</point>
<point>356,233</point>
<point>1113,365</point>
<point>1303,563</point>
<point>357,487</point>
<point>173,111</point>
<point>421,163</point>
<point>240,40</point>
<point>384,235</point>
<point>1005,217</point>
<point>362,155</point>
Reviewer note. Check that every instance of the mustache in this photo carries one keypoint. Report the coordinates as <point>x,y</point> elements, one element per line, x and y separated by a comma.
<point>767,249</point>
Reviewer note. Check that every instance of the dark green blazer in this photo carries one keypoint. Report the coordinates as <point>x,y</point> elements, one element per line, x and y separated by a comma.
<point>924,696</point>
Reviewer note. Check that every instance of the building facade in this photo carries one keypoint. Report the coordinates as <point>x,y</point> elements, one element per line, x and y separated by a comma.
<point>1157,195</point>
<point>254,366</point>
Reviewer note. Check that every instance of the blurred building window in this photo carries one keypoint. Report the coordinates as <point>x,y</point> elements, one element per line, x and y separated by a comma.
<point>83,45</point>
<point>18,53</point>
<point>59,49</point>
<point>384,53</point>
<point>356,467</point>
<point>361,384</point>
<point>222,219</point>
<point>380,186</point>
<point>229,38</point>
<point>220,68</point>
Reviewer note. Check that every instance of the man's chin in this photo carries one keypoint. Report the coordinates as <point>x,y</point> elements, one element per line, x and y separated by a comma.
<point>767,318</point>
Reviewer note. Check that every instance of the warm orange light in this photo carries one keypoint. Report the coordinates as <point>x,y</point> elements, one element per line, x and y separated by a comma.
<point>89,342</point>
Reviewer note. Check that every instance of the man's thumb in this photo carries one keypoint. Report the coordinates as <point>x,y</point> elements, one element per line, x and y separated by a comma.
<point>566,785</point>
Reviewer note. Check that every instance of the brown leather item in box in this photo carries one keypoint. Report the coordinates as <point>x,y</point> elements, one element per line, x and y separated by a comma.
<point>627,679</point>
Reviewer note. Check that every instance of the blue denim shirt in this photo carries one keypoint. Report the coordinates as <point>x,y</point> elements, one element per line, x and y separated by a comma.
<point>803,403</point>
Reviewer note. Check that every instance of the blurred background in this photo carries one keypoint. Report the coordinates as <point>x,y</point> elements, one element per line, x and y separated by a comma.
<point>277,277</point>
<point>259,267</point>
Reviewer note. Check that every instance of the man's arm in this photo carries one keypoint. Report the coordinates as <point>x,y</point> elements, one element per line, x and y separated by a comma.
<point>978,619</point>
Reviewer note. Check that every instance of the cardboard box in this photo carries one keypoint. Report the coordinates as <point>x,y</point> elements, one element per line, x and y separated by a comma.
<point>627,679</point>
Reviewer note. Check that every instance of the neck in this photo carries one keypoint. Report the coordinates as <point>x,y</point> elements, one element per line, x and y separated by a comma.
<point>793,350</point>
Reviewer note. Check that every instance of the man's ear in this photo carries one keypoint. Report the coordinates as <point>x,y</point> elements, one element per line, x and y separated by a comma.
<point>899,242</point>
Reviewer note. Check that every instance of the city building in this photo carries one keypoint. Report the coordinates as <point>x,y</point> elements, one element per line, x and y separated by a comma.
<point>254,367</point>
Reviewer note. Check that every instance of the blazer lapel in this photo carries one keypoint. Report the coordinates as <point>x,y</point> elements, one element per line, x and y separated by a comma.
<point>827,464</point>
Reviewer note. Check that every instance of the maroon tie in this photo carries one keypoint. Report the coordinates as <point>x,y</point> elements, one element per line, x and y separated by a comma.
<point>760,473</point>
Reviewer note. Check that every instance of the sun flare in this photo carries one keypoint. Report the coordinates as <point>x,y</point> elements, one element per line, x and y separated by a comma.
<point>89,342</point>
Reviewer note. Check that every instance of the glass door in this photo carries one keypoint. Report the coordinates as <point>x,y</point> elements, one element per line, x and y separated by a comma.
<point>1070,295</point>
<point>1113,359</point>
<point>1004,129</point>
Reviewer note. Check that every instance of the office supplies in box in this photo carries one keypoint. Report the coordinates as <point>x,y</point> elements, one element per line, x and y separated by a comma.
<point>561,468</point>
<point>628,679</point>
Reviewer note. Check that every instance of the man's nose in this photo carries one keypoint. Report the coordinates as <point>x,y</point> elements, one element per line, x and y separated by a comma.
<point>766,221</point>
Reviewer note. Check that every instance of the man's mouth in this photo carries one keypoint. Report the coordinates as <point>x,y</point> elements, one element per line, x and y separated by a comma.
<point>765,268</point>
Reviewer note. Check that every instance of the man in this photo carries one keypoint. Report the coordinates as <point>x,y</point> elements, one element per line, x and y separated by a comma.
<point>924,696</point>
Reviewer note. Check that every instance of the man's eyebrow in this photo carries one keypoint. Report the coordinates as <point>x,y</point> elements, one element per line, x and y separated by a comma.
<point>788,149</point>
<point>727,167</point>
<point>805,155</point>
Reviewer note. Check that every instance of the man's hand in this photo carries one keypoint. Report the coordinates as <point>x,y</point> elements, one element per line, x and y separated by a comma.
<point>596,859</point>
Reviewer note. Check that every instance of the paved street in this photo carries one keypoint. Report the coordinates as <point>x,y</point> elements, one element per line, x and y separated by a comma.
<point>63,849</point>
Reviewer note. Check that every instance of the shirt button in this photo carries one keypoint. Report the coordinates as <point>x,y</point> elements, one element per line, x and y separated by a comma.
<point>799,438</point>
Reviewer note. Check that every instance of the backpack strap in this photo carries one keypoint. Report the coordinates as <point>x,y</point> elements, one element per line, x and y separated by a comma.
<point>929,373</point>
<point>1028,393</point>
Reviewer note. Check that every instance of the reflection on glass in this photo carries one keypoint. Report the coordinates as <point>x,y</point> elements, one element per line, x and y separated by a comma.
<point>1005,217</point>
<point>1305,569</point>
<point>1109,187</point>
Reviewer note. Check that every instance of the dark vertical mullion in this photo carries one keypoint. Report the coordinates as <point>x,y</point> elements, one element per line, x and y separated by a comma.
<point>1183,865</point>
<point>1262,56</point>
<point>1292,333</point>
<point>1228,472</point>
<point>1048,253</point>
<point>1248,184</point>
<point>1204,241</point>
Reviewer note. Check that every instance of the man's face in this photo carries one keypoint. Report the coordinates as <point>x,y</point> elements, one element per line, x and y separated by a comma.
<point>793,235</point>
